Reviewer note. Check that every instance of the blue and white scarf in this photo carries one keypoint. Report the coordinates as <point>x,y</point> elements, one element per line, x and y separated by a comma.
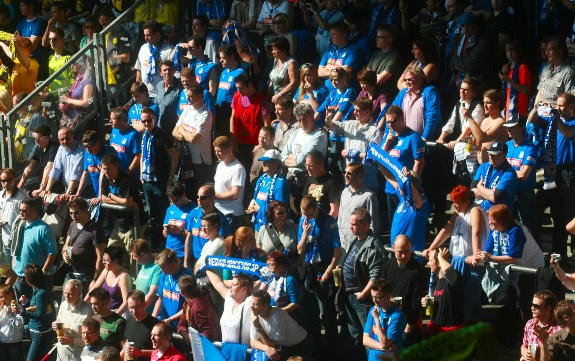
<point>153,63</point>
<point>513,93</point>
<point>148,157</point>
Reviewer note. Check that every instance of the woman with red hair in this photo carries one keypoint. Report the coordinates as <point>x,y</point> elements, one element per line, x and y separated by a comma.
<point>467,227</point>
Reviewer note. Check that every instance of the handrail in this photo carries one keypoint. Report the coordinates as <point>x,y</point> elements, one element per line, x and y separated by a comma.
<point>218,344</point>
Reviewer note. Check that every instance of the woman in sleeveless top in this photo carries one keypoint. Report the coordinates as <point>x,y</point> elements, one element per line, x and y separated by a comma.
<point>491,129</point>
<point>284,74</point>
<point>467,227</point>
<point>424,57</point>
<point>114,279</point>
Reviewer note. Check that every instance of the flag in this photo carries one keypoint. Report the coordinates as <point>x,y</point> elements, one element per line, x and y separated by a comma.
<point>202,348</point>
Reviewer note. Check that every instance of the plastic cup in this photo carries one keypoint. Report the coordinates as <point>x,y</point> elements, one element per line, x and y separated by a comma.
<point>398,301</point>
<point>129,355</point>
<point>533,350</point>
<point>59,329</point>
<point>337,277</point>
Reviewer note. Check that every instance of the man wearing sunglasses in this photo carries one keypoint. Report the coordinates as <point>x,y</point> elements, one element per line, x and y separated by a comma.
<point>542,308</point>
<point>10,198</point>
<point>42,159</point>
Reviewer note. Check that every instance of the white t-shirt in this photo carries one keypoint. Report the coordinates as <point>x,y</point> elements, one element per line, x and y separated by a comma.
<point>269,11</point>
<point>211,248</point>
<point>230,321</point>
<point>200,121</point>
<point>143,63</point>
<point>228,176</point>
<point>280,327</point>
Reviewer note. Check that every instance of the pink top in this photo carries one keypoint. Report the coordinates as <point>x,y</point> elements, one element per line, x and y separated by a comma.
<point>412,107</point>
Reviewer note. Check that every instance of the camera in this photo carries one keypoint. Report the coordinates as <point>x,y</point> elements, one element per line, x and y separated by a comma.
<point>556,257</point>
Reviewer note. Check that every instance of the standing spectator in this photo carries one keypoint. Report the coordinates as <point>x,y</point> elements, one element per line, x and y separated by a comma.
<point>275,332</point>
<point>40,312</point>
<point>196,236</point>
<point>112,325</point>
<point>227,87</point>
<point>242,245</point>
<point>68,163</point>
<point>158,165</point>
<point>282,26</point>
<point>516,79</point>
<point>11,325</point>
<point>319,242</point>
<point>284,74</point>
<point>495,182</point>
<point>429,21</point>
<point>167,96</point>
<point>244,12</point>
<point>149,274</point>
<point>286,122</point>
<point>150,56</point>
<point>448,297</point>
<point>95,347</point>
<point>230,180</point>
<point>71,313</point>
<point>42,159</point>
<point>362,265</point>
<point>200,25</point>
<point>385,12</point>
<point>203,65</point>
<point>57,60</point>
<point>269,9</point>
<point>174,226</point>
<point>522,155</point>
<point>323,19</point>
<point>214,10</point>
<point>198,312</point>
<point>542,308</point>
<point>311,90</point>
<point>282,287</point>
<point>138,328</point>
<point>59,20</point>
<point>270,186</point>
<point>321,185</point>
<point>559,346</point>
<point>33,243</point>
<point>188,78</point>
<point>340,54</point>
<point>121,189</point>
<point>265,143</point>
<point>385,323</point>
<point>33,27</point>
<point>367,79</point>
<point>425,58</point>
<point>195,127</point>
<point>114,279</point>
<point>170,301</point>
<point>10,199</point>
<point>126,141</point>
<point>93,155</point>
<point>250,111</point>
<point>141,99</point>
<point>161,342</point>
<point>355,195</point>
<point>386,61</point>
<point>279,233</point>
<point>25,71</point>
<point>84,245</point>
<point>408,280</point>
<point>26,120</point>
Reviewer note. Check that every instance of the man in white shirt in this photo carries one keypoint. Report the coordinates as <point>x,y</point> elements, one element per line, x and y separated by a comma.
<point>10,199</point>
<point>229,183</point>
<point>150,55</point>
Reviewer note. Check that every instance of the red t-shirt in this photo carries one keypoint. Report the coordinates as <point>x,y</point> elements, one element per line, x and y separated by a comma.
<point>522,99</point>
<point>171,354</point>
<point>248,117</point>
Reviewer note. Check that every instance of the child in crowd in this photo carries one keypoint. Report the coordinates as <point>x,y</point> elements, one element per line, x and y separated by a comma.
<point>11,326</point>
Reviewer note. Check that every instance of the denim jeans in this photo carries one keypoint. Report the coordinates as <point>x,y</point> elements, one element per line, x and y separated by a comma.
<point>319,308</point>
<point>158,204</point>
<point>11,351</point>
<point>40,345</point>
<point>356,313</point>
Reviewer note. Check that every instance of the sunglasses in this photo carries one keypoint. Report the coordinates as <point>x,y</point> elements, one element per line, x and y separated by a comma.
<point>146,121</point>
<point>6,180</point>
<point>203,198</point>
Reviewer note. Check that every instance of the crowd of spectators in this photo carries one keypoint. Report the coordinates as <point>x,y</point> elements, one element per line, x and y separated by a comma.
<point>250,138</point>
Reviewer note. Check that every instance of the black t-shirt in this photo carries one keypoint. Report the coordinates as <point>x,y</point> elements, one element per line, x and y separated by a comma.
<point>162,142</point>
<point>324,189</point>
<point>409,282</point>
<point>448,300</point>
<point>43,157</point>
<point>83,242</point>
<point>139,333</point>
<point>125,186</point>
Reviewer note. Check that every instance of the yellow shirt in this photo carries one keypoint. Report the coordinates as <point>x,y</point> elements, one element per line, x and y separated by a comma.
<point>169,13</point>
<point>146,11</point>
<point>23,80</point>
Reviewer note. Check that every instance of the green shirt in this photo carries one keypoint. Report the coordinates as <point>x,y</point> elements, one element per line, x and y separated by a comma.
<point>148,276</point>
<point>112,330</point>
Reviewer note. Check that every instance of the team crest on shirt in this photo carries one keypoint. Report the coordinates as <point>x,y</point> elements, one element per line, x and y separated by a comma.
<point>230,79</point>
<point>395,153</point>
<point>199,71</point>
<point>124,141</point>
<point>399,142</point>
<point>521,154</point>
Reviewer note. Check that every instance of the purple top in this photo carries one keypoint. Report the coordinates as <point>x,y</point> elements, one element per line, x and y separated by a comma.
<point>115,293</point>
<point>377,101</point>
<point>77,92</point>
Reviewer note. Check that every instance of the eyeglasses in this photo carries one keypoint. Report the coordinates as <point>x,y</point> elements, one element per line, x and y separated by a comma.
<point>6,180</point>
<point>464,90</point>
<point>409,79</point>
<point>536,306</point>
<point>203,198</point>
<point>305,66</point>
<point>146,121</point>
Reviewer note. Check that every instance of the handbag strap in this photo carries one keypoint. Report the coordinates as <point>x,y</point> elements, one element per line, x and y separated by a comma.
<point>275,238</point>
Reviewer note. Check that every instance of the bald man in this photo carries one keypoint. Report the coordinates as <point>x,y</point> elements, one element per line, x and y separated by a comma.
<point>408,280</point>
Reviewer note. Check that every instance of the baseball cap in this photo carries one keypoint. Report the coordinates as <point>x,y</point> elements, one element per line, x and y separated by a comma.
<point>466,19</point>
<point>271,154</point>
<point>497,148</point>
<point>516,119</point>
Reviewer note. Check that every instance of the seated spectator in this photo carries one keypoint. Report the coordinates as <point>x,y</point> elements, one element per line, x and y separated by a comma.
<point>270,186</point>
<point>429,21</point>
<point>236,319</point>
<point>94,345</point>
<point>340,54</point>
<point>425,58</point>
<point>338,104</point>
<point>11,325</point>
<point>26,122</point>
<point>509,242</point>
<point>71,313</point>
<point>282,26</point>
<point>383,332</point>
<point>151,54</point>
<point>214,247</point>
<point>559,346</point>
<point>265,143</point>
<point>491,128</point>
<point>282,286</point>
<point>161,340</point>
<point>174,226</point>
<point>447,296</point>
<point>467,229</point>
<point>386,61</point>
<point>284,73</point>
<point>59,20</point>
<point>140,94</point>
<point>68,163</point>
<point>311,90</point>
<point>79,98</point>
<point>274,332</point>
<point>93,155</point>
<point>542,309</point>
<point>408,280</point>
<point>516,79</point>
<point>463,146</point>
<point>286,122</point>
<point>495,182</point>
<point>245,13</point>
<point>112,325</point>
<point>170,301</point>
<point>198,312</point>
<point>114,279</point>
<point>367,80</point>
<point>241,245</point>
<point>149,275</point>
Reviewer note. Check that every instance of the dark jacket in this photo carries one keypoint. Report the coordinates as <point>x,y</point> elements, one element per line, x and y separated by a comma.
<point>369,260</point>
